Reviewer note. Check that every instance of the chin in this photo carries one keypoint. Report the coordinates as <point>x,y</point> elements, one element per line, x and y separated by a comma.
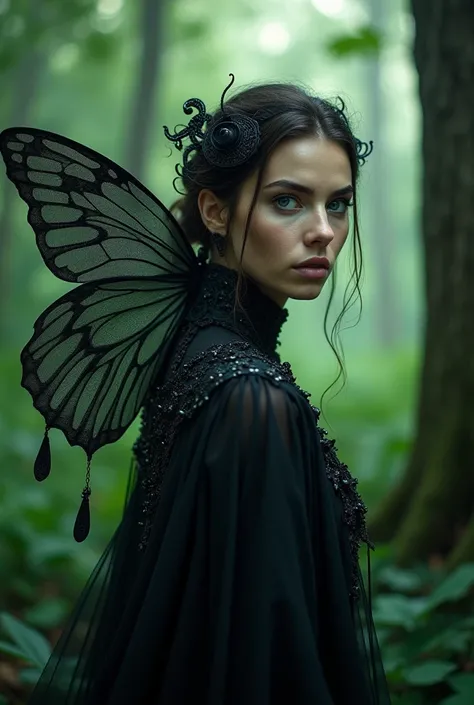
<point>306,297</point>
<point>305,293</point>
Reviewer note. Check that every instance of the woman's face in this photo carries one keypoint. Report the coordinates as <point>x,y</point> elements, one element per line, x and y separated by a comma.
<point>301,212</point>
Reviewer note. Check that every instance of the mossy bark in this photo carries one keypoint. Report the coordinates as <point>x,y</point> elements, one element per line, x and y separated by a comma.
<point>432,509</point>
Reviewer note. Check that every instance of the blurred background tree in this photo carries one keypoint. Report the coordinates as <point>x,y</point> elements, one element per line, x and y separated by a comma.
<point>109,74</point>
<point>432,509</point>
<point>152,28</point>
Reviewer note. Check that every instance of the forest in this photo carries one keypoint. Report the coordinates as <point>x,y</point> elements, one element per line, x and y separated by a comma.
<point>110,74</point>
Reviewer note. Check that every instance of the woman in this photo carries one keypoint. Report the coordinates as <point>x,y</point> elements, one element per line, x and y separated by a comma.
<point>233,577</point>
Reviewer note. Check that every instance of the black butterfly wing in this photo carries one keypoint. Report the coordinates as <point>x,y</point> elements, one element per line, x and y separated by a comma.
<point>94,353</point>
<point>92,219</point>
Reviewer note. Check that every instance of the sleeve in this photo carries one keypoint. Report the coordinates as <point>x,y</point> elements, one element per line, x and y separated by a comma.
<point>262,589</point>
<point>236,607</point>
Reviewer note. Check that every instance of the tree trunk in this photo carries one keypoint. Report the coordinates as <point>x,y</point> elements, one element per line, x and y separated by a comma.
<point>432,510</point>
<point>143,103</point>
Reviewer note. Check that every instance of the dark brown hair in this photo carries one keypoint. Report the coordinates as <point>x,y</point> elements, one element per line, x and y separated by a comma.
<point>284,111</point>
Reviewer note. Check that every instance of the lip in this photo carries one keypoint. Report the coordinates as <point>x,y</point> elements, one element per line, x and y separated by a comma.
<point>314,262</point>
<point>312,272</point>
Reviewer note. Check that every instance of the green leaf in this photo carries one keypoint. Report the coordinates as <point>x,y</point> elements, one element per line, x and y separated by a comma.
<point>462,683</point>
<point>366,41</point>
<point>400,580</point>
<point>398,610</point>
<point>455,587</point>
<point>450,641</point>
<point>3,700</point>
<point>428,673</point>
<point>10,650</point>
<point>32,645</point>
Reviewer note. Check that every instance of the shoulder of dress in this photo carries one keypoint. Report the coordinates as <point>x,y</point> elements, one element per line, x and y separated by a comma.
<point>192,385</point>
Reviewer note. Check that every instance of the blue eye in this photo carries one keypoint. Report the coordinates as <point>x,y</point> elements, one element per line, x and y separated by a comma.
<point>284,203</point>
<point>342,204</point>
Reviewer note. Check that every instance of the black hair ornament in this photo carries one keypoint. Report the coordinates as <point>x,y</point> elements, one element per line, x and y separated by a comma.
<point>226,142</point>
<point>363,149</point>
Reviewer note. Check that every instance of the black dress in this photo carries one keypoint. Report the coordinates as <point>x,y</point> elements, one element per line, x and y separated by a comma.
<point>233,578</point>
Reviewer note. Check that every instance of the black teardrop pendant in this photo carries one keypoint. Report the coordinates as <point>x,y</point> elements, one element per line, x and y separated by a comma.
<point>82,524</point>
<point>43,459</point>
<point>83,520</point>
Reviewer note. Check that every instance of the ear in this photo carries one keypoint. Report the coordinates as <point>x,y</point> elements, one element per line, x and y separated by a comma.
<point>213,212</point>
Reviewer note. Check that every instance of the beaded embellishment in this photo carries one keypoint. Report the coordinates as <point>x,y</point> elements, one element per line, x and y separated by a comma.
<point>354,509</point>
<point>181,396</point>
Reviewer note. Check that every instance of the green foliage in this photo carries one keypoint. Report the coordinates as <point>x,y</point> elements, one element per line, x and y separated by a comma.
<point>455,587</point>
<point>26,645</point>
<point>463,686</point>
<point>29,644</point>
<point>26,25</point>
<point>99,47</point>
<point>426,632</point>
<point>366,41</point>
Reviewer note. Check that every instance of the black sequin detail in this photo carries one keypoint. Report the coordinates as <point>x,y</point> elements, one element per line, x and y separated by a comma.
<point>345,486</point>
<point>189,385</point>
<point>181,396</point>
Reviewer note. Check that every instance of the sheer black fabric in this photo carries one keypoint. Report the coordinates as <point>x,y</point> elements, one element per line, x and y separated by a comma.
<point>231,578</point>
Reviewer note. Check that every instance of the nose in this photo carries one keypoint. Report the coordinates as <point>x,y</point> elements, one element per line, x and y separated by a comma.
<point>320,229</point>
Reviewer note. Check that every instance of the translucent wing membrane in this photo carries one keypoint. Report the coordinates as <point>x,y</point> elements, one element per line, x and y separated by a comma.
<point>92,219</point>
<point>95,352</point>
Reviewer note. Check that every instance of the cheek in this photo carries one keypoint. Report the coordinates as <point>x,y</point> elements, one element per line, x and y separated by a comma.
<point>341,234</point>
<point>270,237</point>
<point>263,232</point>
<point>271,231</point>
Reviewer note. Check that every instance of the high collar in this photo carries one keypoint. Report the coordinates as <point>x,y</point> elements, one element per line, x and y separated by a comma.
<point>261,319</point>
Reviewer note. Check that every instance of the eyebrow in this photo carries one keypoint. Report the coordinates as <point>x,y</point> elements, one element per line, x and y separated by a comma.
<point>286,183</point>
